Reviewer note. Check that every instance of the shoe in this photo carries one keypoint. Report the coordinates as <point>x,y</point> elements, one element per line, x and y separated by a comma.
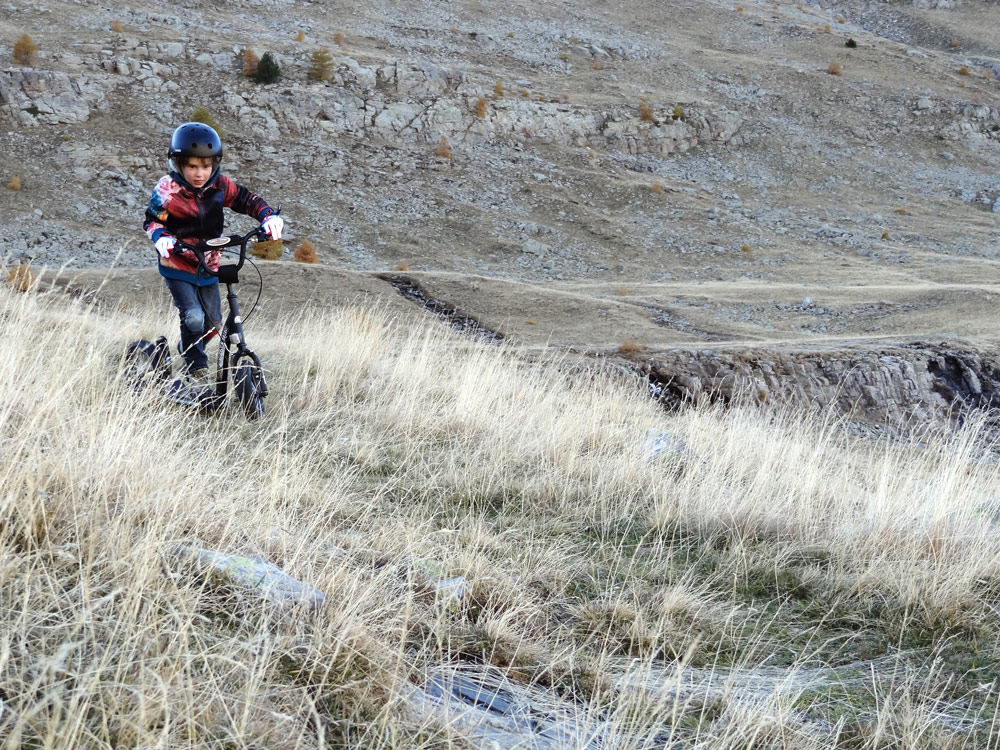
<point>199,376</point>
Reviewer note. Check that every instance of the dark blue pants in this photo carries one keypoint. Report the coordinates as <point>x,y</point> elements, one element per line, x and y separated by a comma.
<point>200,309</point>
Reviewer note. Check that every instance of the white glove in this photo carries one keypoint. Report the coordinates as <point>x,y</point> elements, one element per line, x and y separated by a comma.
<point>164,245</point>
<point>272,225</point>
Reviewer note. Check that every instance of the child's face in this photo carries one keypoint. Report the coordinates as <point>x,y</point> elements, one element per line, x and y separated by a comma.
<point>196,170</point>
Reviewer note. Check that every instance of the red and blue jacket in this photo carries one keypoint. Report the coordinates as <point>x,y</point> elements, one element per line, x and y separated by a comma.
<point>193,214</point>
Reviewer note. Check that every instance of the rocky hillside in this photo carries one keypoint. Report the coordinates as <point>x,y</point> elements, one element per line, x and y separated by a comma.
<point>624,179</point>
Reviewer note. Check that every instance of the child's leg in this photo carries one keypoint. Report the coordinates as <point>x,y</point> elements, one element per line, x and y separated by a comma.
<point>187,300</point>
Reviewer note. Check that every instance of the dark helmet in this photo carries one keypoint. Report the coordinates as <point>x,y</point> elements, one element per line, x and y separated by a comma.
<point>194,139</point>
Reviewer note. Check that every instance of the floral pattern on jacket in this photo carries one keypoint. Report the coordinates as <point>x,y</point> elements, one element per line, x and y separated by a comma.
<point>178,210</point>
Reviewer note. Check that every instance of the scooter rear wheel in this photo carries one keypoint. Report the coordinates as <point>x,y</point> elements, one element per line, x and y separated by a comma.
<point>147,363</point>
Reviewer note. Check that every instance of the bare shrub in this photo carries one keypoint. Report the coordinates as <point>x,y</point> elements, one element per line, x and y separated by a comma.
<point>443,148</point>
<point>646,113</point>
<point>834,68</point>
<point>250,62</point>
<point>306,252</point>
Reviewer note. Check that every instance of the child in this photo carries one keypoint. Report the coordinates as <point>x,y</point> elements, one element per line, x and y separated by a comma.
<point>187,205</point>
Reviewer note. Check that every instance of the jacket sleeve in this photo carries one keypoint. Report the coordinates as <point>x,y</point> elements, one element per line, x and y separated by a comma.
<point>243,201</point>
<point>156,212</point>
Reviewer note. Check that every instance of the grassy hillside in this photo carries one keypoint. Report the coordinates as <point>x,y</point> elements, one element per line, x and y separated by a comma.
<point>763,581</point>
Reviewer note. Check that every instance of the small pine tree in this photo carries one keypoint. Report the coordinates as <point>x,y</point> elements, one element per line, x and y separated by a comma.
<point>322,65</point>
<point>250,62</point>
<point>24,50</point>
<point>268,70</point>
<point>204,115</point>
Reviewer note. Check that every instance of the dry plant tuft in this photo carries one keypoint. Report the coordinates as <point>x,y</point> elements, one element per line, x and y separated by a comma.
<point>338,39</point>
<point>656,187</point>
<point>955,43</point>
<point>268,249</point>
<point>481,103</point>
<point>622,291</point>
<point>306,252</point>
<point>25,50</point>
<point>453,29</point>
<point>739,9</point>
<point>630,347</point>
<point>20,277</point>
<point>443,149</point>
<point>745,248</point>
<point>646,113</point>
<point>834,68</point>
<point>498,88</point>
<point>250,62</point>
<point>885,234</point>
<point>301,36</point>
<point>525,94</point>
<point>598,65</point>
<point>964,70</point>
<point>677,112</point>
<point>117,26</point>
<point>826,28</point>
<point>402,266</point>
<point>15,183</point>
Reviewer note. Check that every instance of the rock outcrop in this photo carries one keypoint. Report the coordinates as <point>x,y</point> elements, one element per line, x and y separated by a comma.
<point>914,384</point>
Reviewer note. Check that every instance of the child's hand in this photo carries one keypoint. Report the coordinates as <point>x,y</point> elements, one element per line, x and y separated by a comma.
<point>273,225</point>
<point>164,245</point>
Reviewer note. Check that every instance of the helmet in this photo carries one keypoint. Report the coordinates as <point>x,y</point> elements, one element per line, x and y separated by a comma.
<point>194,139</point>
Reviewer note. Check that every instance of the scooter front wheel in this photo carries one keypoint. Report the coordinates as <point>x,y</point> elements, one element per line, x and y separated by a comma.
<point>248,382</point>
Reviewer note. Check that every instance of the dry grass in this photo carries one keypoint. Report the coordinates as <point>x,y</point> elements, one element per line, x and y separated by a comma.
<point>714,578</point>
<point>14,183</point>
<point>834,68</point>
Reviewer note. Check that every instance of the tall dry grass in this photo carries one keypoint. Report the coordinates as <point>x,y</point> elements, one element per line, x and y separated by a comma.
<point>768,582</point>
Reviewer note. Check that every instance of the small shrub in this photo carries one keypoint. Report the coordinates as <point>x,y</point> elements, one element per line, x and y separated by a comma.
<point>510,34</point>
<point>481,107</point>
<point>885,234</point>
<point>955,43</point>
<point>321,67</point>
<point>535,322</point>
<point>443,148</point>
<point>656,187</point>
<point>300,37</point>
<point>20,277</point>
<point>117,27</point>
<point>306,252</point>
<point>621,291</point>
<point>964,70</point>
<point>402,266</point>
<point>453,30</point>
<point>204,115</point>
<point>841,20</point>
<point>24,50</point>
<point>338,39</point>
<point>646,113</point>
<point>678,112</point>
<point>851,44</point>
<point>268,249</point>
<point>630,347</point>
<point>826,28</point>
<point>745,248</point>
<point>739,9</point>
<point>525,94</point>
<point>268,70</point>
<point>250,63</point>
<point>15,183</point>
<point>498,88</point>
<point>900,210</point>
<point>834,68</point>
<point>598,65</point>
